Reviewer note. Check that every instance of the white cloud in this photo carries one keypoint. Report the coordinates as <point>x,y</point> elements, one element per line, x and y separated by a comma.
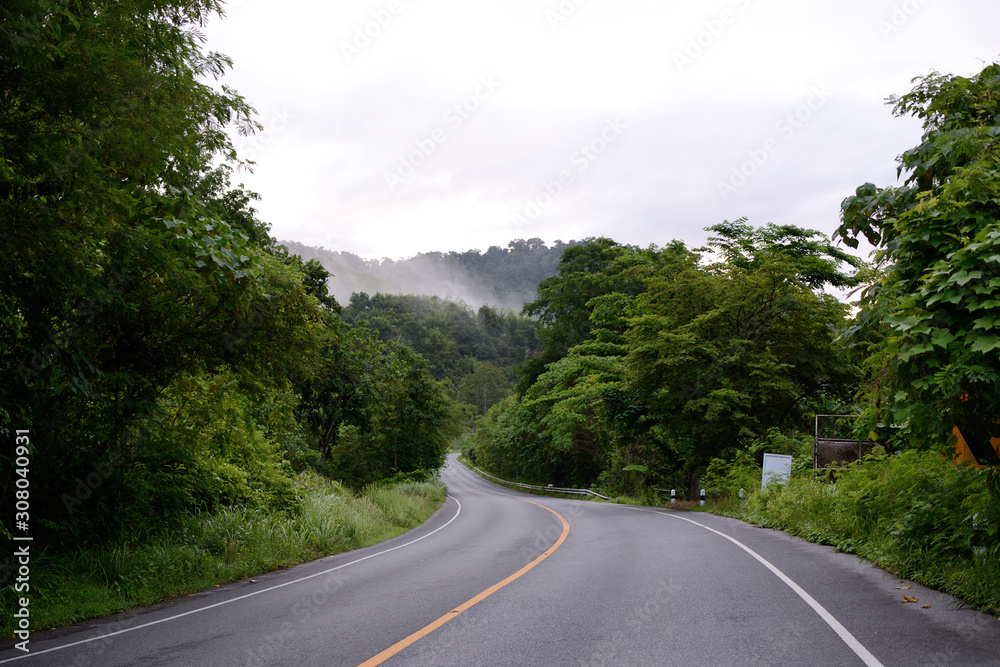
<point>322,174</point>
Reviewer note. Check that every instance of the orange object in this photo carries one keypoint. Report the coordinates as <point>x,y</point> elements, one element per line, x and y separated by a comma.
<point>964,455</point>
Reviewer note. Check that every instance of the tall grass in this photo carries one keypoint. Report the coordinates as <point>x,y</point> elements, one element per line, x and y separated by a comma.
<point>913,514</point>
<point>221,547</point>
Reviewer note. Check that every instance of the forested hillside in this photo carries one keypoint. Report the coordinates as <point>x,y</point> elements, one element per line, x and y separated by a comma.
<point>500,277</point>
<point>476,351</point>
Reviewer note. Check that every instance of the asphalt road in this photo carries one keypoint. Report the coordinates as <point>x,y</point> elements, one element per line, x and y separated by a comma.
<point>583,583</point>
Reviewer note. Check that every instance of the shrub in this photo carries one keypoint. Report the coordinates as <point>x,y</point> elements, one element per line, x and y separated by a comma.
<point>913,513</point>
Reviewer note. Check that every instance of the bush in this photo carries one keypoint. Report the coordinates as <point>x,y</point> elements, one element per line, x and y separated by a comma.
<point>216,441</point>
<point>913,513</point>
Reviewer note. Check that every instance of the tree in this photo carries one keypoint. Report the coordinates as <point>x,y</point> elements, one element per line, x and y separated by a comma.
<point>405,429</point>
<point>679,361</point>
<point>484,386</point>
<point>127,259</point>
<point>595,268</point>
<point>817,262</point>
<point>720,357</point>
<point>938,240</point>
<point>449,335</point>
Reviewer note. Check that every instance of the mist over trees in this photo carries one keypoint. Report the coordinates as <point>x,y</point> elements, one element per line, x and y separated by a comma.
<point>500,277</point>
<point>477,352</point>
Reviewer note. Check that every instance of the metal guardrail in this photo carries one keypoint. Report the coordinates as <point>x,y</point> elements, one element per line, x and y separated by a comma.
<point>550,488</point>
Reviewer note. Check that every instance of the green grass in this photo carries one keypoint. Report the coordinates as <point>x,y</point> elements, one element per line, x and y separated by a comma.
<point>215,549</point>
<point>914,515</point>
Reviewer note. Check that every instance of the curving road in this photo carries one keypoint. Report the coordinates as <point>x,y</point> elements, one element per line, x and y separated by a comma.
<point>498,577</point>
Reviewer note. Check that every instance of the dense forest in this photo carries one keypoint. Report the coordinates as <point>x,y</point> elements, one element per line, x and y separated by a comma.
<point>476,351</point>
<point>654,361</point>
<point>500,277</point>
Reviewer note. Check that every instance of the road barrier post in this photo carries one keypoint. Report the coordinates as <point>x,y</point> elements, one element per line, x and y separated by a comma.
<point>703,497</point>
<point>673,496</point>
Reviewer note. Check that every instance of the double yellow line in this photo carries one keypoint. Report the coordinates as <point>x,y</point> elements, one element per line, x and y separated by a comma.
<point>426,630</point>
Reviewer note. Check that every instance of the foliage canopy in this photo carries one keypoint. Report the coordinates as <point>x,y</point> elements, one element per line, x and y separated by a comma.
<point>935,308</point>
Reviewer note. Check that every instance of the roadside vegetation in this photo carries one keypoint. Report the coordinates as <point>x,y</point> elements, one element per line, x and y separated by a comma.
<point>207,550</point>
<point>653,361</point>
<point>915,514</point>
<point>927,335</point>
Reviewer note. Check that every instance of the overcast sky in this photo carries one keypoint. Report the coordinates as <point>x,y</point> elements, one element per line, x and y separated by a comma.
<point>393,127</point>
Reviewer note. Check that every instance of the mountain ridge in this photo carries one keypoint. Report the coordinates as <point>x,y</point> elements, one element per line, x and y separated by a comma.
<point>499,277</point>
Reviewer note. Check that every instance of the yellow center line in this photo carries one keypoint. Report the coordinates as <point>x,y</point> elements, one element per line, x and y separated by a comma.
<point>426,630</point>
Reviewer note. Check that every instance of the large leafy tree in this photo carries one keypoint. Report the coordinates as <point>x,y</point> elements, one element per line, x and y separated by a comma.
<point>592,269</point>
<point>486,385</point>
<point>107,131</point>
<point>817,262</point>
<point>405,427</point>
<point>722,356</point>
<point>938,240</point>
<point>127,258</point>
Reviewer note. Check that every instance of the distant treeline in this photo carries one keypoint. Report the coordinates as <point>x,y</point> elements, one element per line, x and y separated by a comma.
<point>502,277</point>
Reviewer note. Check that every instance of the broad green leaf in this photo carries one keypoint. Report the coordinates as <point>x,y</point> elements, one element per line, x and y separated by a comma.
<point>942,338</point>
<point>986,344</point>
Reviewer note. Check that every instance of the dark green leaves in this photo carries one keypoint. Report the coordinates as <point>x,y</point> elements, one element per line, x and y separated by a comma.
<point>939,240</point>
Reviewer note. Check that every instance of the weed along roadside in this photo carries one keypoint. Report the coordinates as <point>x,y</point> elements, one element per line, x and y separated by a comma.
<point>914,514</point>
<point>210,550</point>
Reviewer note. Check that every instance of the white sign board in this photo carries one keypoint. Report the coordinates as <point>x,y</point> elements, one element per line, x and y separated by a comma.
<point>777,468</point>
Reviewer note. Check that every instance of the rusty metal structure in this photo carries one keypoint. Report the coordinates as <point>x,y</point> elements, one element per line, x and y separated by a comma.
<point>830,453</point>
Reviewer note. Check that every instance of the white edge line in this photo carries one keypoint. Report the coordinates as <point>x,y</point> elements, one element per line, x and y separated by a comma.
<point>841,631</point>
<point>236,599</point>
